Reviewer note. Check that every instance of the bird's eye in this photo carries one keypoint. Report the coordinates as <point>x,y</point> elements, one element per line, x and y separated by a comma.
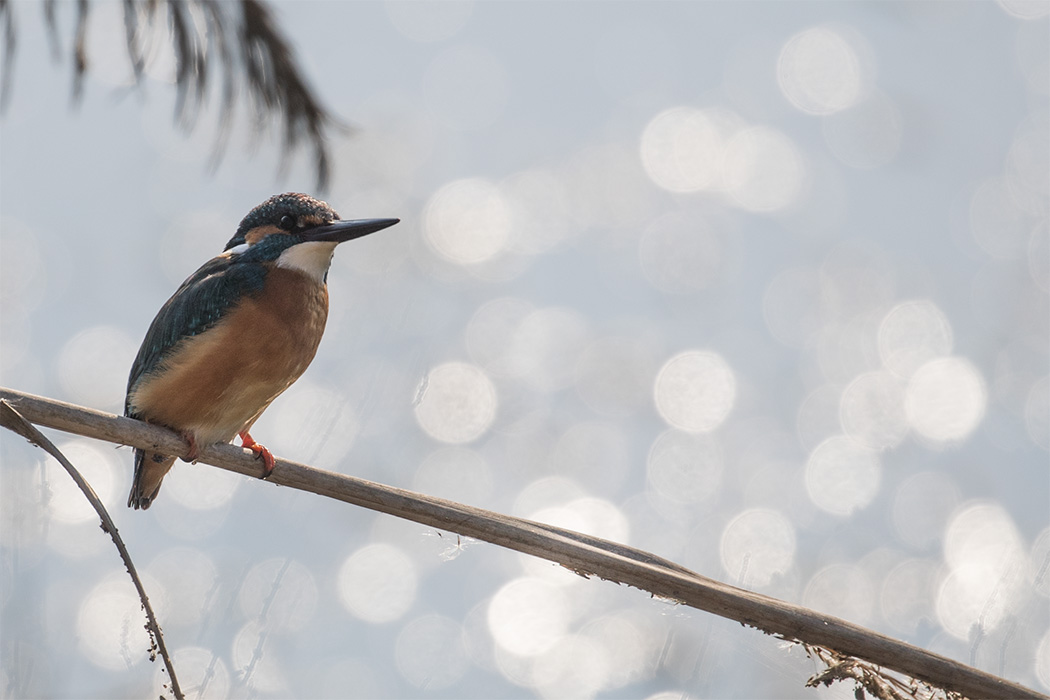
<point>287,222</point>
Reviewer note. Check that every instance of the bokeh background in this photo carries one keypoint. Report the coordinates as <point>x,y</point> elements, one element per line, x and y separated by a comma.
<point>758,287</point>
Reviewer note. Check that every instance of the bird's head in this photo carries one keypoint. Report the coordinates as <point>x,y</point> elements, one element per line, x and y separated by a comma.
<point>296,231</point>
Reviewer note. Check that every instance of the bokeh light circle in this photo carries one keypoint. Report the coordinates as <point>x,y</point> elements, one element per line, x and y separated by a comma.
<point>201,488</point>
<point>695,390</point>
<point>842,475</point>
<point>819,71</point>
<point>528,616</point>
<point>93,366</point>
<point>906,597</point>
<point>202,673</point>
<point>757,545</point>
<point>467,221</point>
<point>913,333</point>
<point>377,583</point>
<point>458,403</point>
<point>987,565</point>
<point>841,590</point>
<point>683,148</point>
<point>574,667</point>
<point>946,399</point>
<point>101,468</point>
<point>108,614</point>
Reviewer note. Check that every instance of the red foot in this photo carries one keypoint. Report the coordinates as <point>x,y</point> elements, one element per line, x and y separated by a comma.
<point>259,450</point>
<point>194,452</point>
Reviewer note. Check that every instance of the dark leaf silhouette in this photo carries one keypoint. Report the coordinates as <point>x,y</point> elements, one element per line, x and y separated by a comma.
<point>241,39</point>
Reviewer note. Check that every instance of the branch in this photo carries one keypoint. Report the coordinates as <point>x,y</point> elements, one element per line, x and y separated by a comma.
<point>578,552</point>
<point>13,421</point>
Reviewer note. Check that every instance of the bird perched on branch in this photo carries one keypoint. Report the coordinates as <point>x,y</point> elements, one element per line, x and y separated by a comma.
<point>237,333</point>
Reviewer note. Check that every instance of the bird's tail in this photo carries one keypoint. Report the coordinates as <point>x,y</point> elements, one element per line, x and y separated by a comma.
<point>150,468</point>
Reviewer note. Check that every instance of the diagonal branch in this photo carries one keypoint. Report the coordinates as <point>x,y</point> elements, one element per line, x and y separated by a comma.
<point>581,553</point>
<point>13,420</point>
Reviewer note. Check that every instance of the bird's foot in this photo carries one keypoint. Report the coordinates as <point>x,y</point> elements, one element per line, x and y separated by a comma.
<point>194,452</point>
<point>260,452</point>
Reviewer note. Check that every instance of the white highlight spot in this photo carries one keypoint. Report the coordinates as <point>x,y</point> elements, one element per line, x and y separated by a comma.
<point>911,334</point>
<point>819,72</point>
<point>459,403</point>
<point>987,577</point>
<point>467,221</point>
<point>109,622</point>
<point>946,399</point>
<point>695,391</point>
<point>756,545</point>
<point>377,583</point>
<point>683,148</point>
<point>100,467</point>
<point>842,476</point>
<point>93,367</point>
<point>201,488</point>
<point>528,616</point>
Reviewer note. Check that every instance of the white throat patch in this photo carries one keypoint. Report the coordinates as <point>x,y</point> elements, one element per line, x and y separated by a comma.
<point>312,258</point>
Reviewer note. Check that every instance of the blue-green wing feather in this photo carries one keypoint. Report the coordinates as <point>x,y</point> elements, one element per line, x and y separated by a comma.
<point>201,302</point>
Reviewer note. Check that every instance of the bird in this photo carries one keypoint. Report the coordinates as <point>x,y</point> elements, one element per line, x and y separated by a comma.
<point>237,333</point>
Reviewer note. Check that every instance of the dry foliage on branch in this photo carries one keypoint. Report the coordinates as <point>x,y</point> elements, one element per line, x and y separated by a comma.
<point>867,658</point>
<point>239,40</point>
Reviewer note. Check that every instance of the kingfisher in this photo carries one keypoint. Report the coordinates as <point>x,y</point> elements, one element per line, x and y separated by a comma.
<point>237,333</point>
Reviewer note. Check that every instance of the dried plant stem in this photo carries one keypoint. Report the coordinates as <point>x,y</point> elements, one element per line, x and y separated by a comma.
<point>581,553</point>
<point>14,421</point>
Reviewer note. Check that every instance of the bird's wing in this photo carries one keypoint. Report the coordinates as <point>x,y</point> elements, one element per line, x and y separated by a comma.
<point>201,302</point>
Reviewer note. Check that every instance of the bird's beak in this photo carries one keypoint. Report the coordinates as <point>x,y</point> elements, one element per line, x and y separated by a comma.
<point>340,231</point>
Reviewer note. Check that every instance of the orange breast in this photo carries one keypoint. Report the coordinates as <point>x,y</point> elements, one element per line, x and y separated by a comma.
<point>219,382</point>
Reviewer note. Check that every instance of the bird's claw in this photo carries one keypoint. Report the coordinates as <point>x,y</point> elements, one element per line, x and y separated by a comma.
<point>194,452</point>
<point>260,453</point>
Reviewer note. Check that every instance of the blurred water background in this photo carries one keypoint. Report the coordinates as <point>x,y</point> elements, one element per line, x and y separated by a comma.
<point>758,287</point>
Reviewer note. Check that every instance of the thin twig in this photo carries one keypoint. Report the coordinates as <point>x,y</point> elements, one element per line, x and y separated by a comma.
<point>583,554</point>
<point>13,420</point>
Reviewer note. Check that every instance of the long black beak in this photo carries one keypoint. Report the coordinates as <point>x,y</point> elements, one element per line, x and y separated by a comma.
<point>340,231</point>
